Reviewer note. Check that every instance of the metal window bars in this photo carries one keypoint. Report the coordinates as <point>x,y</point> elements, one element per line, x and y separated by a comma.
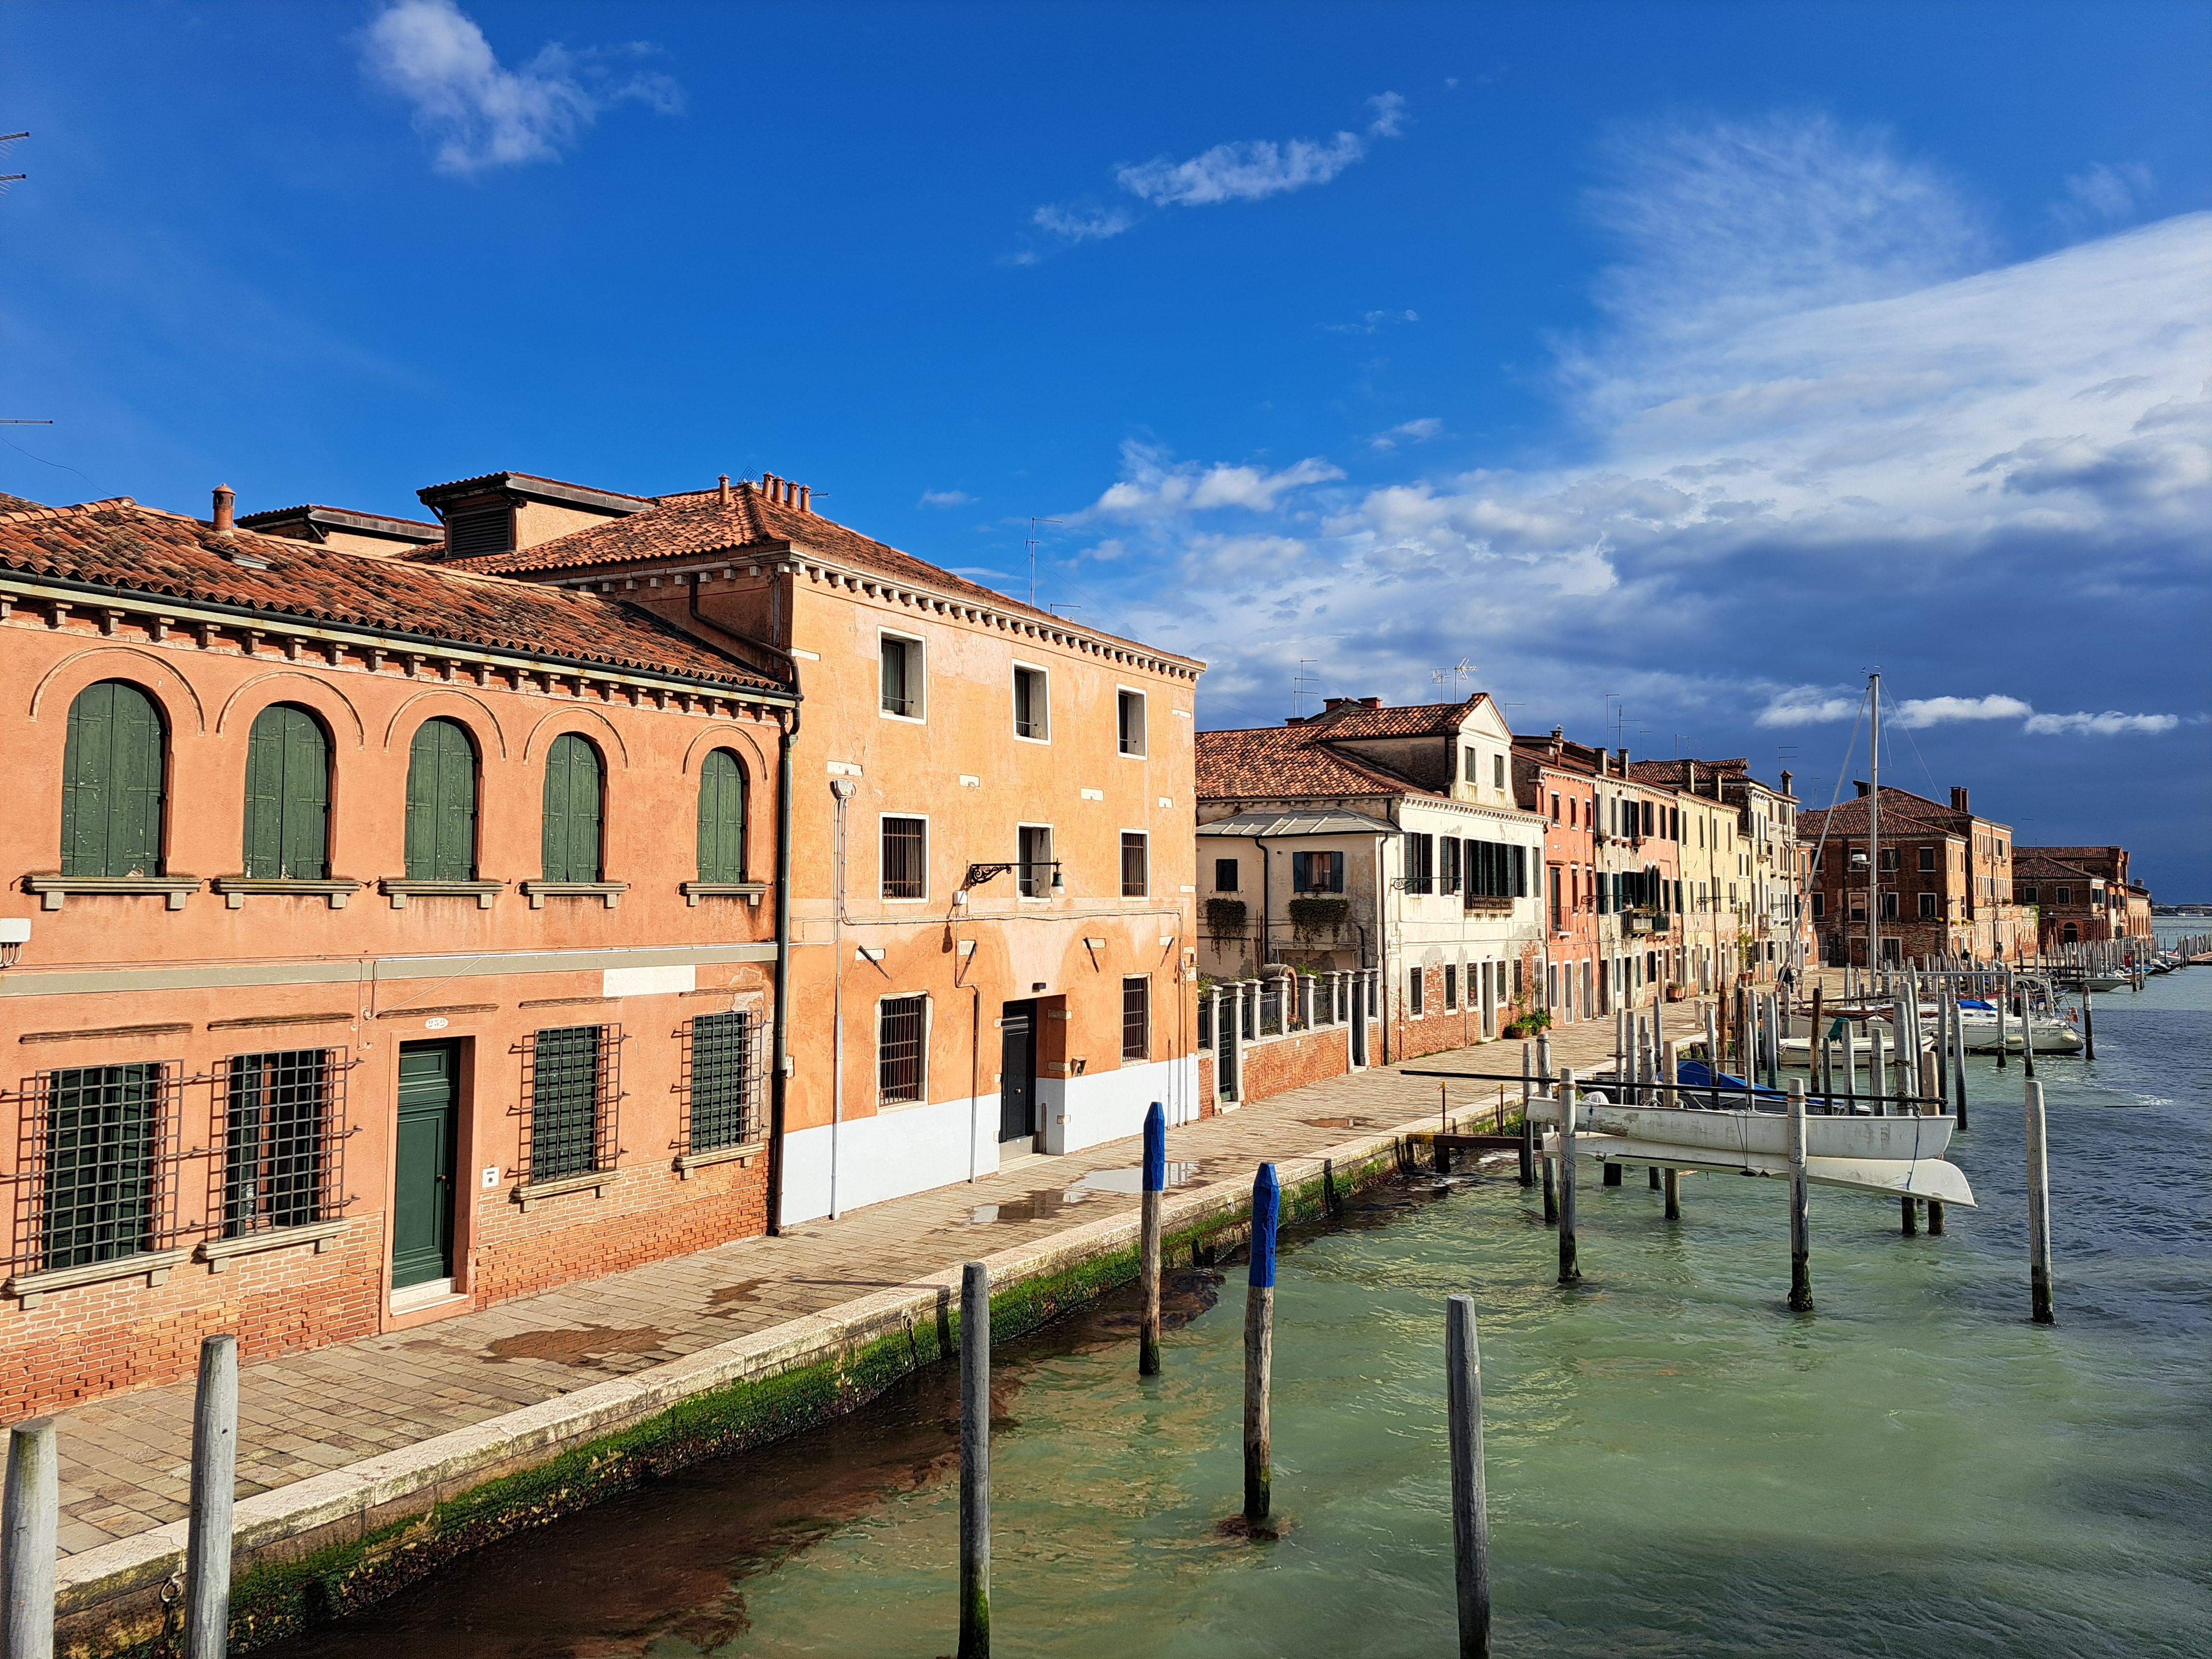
<point>96,1164</point>
<point>905,858</point>
<point>281,1156</point>
<point>1136,1017</point>
<point>1135,876</point>
<point>901,1023</point>
<point>571,1088</point>
<point>724,1075</point>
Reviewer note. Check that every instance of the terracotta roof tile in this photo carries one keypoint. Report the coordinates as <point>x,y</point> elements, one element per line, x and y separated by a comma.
<point>1419,719</point>
<point>532,478</point>
<point>1288,762</point>
<point>119,545</point>
<point>695,522</point>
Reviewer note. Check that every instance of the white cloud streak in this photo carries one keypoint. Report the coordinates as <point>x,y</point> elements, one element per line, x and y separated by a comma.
<point>2110,724</point>
<point>1407,432</point>
<point>1151,488</point>
<point>1916,713</point>
<point>2103,196</point>
<point>483,115</point>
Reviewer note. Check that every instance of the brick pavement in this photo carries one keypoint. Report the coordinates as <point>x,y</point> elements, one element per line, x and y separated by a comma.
<point>126,1458</point>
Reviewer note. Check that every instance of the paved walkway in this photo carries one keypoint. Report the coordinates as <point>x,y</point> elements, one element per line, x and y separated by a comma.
<point>126,1459</point>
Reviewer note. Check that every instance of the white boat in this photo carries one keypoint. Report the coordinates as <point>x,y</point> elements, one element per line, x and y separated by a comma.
<point>1797,1041</point>
<point>1893,1155</point>
<point>1977,1028</point>
<point>2103,982</point>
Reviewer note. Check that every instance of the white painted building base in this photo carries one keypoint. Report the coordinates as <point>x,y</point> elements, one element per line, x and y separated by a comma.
<point>888,1156</point>
<point>1084,1111</point>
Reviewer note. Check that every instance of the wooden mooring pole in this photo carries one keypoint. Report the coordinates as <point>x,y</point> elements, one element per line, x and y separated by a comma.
<point>1528,1123</point>
<point>1570,1269</point>
<point>214,1487</point>
<point>1148,1246</point>
<point>974,1462</point>
<point>1801,1220</point>
<point>1470,1503</point>
<point>2038,1211</point>
<point>1260,1347</point>
<point>29,1520</point>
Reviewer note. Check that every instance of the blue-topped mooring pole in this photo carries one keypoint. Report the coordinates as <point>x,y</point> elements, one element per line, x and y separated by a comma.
<point>1148,1245</point>
<point>1260,1343</point>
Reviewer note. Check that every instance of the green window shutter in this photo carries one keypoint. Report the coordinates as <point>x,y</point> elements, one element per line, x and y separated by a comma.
<point>441,804</point>
<point>721,818</point>
<point>572,811</point>
<point>100,1134</point>
<point>112,783</point>
<point>288,795</point>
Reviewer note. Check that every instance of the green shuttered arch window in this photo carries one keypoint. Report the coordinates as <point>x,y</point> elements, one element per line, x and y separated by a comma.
<point>441,804</point>
<point>573,808</point>
<point>721,817</point>
<point>288,795</point>
<point>112,783</point>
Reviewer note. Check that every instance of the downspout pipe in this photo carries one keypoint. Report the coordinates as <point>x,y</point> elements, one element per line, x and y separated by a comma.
<point>779,1084</point>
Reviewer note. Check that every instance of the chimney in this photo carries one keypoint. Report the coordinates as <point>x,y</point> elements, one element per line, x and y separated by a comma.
<point>1327,704</point>
<point>1860,784</point>
<point>1370,702</point>
<point>723,486</point>
<point>768,485</point>
<point>1690,776</point>
<point>805,498</point>
<point>1623,760</point>
<point>1786,776</point>
<point>225,499</point>
<point>1958,798</point>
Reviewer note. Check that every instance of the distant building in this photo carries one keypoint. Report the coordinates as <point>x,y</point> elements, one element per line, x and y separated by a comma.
<point>2080,894</point>
<point>1943,879</point>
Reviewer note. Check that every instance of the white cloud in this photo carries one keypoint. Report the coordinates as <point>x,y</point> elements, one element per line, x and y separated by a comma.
<point>1808,705</point>
<point>1371,321</point>
<point>1245,170</point>
<point>1407,432</point>
<point>945,498</point>
<point>1152,489</point>
<point>2110,724</point>
<point>484,115</point>
<point>1920,712</point>
<point>2102,196</point>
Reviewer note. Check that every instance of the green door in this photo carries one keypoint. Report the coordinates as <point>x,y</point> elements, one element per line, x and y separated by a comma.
<point>429,1131</point>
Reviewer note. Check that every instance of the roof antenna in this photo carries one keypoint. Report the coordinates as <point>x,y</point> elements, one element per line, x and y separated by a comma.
<point>9,181</point>
<point>1033,523</point>
<point>1458,671</point>
<point>1303,685</point>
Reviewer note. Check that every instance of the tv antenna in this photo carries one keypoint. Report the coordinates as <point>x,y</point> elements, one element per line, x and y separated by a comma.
<point>1458,671</point>
<point>7,182</point>
<point>1303,685</point>
<point>1033,523</point>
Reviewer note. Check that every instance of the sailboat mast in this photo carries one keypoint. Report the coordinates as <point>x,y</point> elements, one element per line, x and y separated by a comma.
<point>1873,833</point>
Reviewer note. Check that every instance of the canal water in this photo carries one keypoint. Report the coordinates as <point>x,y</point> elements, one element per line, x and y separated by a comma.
<point>1677,1464</point>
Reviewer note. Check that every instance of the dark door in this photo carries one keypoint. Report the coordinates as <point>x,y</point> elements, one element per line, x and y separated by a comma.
<point>429,1128</point>
<point>1017,1072</point>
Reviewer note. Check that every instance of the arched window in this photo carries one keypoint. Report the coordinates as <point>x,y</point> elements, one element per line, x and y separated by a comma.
<point>2073,934</point>
<point>441,804</point>
<point>288,795</point>
<point>112,783</point>
<point>721,817</point>
<point>572,809</point>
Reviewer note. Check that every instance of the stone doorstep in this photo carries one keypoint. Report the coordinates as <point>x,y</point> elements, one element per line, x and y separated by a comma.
<point>339,1501</point>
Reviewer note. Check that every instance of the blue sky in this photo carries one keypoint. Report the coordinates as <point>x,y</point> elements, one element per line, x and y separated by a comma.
<point>1702,355</point>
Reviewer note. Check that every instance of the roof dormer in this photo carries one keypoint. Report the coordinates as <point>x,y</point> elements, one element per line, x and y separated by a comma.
<point>506,512</point>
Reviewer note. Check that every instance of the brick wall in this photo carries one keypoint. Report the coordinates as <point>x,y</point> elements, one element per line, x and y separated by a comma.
<point>76,1345</point>
<point>1281,1064</point>
<point>649,1212</point>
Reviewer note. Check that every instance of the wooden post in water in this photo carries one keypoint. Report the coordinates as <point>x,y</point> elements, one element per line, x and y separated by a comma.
<point>1528,1123</point>
<point>1148,1247</point>
<point>1260,1346</point>
<point>1470,1505</point>
<point>2002,998</point>
<point>1959,1064</point>
<point>1817,1067</point>
<point>1671,1186</point>
<point>1544,1072</point>
<point>974,1462</point>
<point>214,1487</point>
<point>29,1520</point>
<point>1801,1222</point>
<point>1570,1269</point>
<point>2039,1211</point>
<point>2088,1025</point>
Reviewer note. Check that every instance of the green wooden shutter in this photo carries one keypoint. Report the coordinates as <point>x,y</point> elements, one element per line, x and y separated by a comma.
<point>721,818</point>
<point>112,764</point>
<point>441,804</point>
<point>572,811</point>
<point>288,795</point>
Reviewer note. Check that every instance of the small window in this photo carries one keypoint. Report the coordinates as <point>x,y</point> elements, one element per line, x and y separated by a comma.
<point>1136,878</point>
<point>278,1140</point>
<point>1448,864</point>
<point>1451,986</point>
<point>103,1135</point>
<point>906,858</point>
<point>1888,905</point>
<point>722,1085</point>
<point>1555,809</point>
<point>1928,907</point>
<point>901,1026</point>
<point>2030,895</point>
<point>1497,771</point>
<point>1032,705</point>
<point>1819,906</point>
<point>1472,762</point>
<point>1129,714</point>
<point>1136,1017</point>
<point>288,795</point>
<point>2066,895</point>
<point>721,817</point>
<point>902,677</point>
<point>571,1092</point>
<point>1927,858</point>
<point>441,804</point>
<point>1034,867</point>
<point>574,804</point>
<point>1224,875</point>
<point>1889,859</point>
<point>1420,863</point>
<point>1413,990</point>
<point>1317,873</point>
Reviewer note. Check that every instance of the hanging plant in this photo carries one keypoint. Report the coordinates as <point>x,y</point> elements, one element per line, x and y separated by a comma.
<point>1225,918</point>
<point>1312,917</point>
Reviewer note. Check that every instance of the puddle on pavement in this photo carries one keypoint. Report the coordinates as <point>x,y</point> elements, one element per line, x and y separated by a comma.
<point>725,1299</point>
<point>1132,1180</point>
<point>1036,1206</point>
<point>1337,1122</point>
<point>577,1347</point>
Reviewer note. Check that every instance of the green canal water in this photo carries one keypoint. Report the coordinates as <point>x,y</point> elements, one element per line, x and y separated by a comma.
<point>1677,1464</point>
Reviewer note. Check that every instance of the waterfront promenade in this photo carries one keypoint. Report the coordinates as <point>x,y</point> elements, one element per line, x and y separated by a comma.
<point>383,1402</point>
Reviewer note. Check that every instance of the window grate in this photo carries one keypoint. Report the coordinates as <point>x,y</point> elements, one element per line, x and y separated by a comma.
<point>280,1161</point>
<point>724,1076</point>
<point>1135,873</point>
<point>1136,1017</point>
<point>901,1026</point>
<point>571,1086</point>
<point>96,1164</point>
<point>905,858</point>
